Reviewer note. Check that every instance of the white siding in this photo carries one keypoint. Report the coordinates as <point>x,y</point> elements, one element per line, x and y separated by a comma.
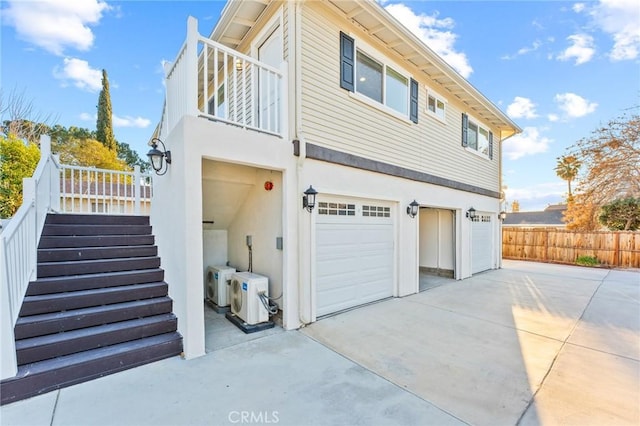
<point>334,119</point>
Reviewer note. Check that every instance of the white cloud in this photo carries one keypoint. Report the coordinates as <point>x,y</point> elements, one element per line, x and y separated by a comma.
<point>435,33</point>
<point>578,7</point>
<point>620,19</point>
<point>524,50</point>
<point>573,105</point>
<point>522,108</point>
<point>55,25</point>
<point>553,117</point>
<point>80,73</point>
<point>85,116</point>
<point>536,197</point>
<point>529,142</point>
<point>128,121</point>
<point>581,49</point>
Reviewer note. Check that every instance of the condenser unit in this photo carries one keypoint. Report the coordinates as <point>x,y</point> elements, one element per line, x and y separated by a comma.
<point>217,284</point>
<point>245,300</point>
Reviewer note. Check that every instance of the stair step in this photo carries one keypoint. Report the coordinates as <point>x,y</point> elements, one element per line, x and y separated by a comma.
<point>94,219</point>
<point>56,269</point>
<point>93,253</point>
<point>35,305</point>
<point>45,376</point>
<point>60,344</point>
<point>50,285</point>
<point>42,324</point>
<point>65,229</point>
<point>94,241</point>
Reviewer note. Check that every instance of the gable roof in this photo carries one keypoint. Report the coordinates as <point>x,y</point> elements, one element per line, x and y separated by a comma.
<point>551,216</point>
<point>239,16</point>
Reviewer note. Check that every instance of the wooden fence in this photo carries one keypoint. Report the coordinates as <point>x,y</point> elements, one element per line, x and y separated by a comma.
<point>612,248</point>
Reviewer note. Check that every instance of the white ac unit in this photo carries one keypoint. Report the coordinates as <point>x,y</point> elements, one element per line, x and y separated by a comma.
<point>245,299</point>
<point>217,284</point>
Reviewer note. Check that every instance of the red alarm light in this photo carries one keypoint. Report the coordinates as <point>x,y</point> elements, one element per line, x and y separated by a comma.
<point>268,185</point>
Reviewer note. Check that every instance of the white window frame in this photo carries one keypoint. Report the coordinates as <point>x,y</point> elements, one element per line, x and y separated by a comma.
<point>386,63</point>
<point>478,124</point>
<point>437,98</point>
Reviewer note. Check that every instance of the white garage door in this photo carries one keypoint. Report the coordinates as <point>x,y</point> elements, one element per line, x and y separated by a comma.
<point>354,254</point>
<point>482,247</point>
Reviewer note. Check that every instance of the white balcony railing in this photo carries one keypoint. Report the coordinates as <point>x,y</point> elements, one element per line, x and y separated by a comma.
<point>55,188</point>
<point>210,80</point>
<point>91,190</point>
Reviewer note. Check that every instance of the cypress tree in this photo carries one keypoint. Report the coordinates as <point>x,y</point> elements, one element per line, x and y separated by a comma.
<point>104,127</point>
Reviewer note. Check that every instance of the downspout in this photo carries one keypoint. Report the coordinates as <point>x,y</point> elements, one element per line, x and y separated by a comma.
<point>304,281</point>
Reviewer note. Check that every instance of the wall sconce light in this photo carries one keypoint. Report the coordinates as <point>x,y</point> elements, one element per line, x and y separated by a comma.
<point>157,157</point>
<point>471,213</point>
<point>309,199</point>
<point>502,215</point>
<point>239,64</point>
<point>412,209</point>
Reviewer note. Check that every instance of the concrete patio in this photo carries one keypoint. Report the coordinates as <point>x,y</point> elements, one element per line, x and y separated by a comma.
<point>528,344</point>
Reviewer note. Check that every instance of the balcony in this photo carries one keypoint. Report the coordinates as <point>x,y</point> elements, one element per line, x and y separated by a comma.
<point>214,82</point>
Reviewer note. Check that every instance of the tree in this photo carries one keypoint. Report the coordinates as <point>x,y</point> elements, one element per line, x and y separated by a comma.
<point>621,215</point>
<point>88,152</point>
<point>129,156</point>
<point>17,161</point>
<point>104,125</point>
<point>20,119</point>
<point>611,157</point>
<point>567,169</point>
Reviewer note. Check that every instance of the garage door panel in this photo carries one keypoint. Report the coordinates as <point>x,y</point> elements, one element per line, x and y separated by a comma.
<point>482,246</point>
<point>354,261</point>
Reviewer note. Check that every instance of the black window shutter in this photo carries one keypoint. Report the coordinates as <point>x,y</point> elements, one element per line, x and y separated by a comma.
<point>491,145</point>
<point>465,124</point>
<point>347,56</point>
<point>413,104</point>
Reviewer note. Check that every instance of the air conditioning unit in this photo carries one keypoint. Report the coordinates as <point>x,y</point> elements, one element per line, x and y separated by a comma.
<point>245,302</point>
<point>217,284</point>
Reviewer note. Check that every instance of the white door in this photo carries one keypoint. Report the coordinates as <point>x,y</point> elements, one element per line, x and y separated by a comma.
<point>270,52</point>
<point>354,254</point>
<point>482,245</point>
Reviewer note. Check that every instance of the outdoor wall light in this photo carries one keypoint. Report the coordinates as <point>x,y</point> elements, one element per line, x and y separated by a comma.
<point>157,157</point>
<point>502,215</point>
<point>471,213</point>
<point>412,209</point>
<point>309,199</point>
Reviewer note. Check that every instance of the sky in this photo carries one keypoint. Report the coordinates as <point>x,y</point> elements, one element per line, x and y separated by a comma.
<point>558,69</point>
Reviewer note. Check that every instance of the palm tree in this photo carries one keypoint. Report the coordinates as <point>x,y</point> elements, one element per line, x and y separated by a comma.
<point>567,169</point>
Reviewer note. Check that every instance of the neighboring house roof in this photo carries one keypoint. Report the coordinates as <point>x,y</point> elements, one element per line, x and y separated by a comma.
<point>238,17</point>
<point>551,216</point>
<point>83,188</point>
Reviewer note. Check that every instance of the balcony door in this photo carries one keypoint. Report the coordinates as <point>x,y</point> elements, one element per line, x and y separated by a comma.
<point>269,105</point>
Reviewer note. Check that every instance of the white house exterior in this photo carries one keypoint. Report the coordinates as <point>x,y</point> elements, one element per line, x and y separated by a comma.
<point>340,96</point>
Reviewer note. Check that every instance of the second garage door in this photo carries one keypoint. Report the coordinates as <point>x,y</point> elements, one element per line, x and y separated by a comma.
<point>354,254</point>
<point>482,246</point>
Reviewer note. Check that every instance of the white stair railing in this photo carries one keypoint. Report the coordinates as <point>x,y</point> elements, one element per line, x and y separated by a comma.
<point>60,188</point>
<point>18,248</point>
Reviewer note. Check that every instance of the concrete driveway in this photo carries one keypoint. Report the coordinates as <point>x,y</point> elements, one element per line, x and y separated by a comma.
<point>528,344</point>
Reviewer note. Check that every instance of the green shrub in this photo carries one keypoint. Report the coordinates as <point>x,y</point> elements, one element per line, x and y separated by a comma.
<point>587,261</point>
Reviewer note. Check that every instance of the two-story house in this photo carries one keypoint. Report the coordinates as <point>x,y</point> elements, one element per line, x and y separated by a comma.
<point>340,96</point>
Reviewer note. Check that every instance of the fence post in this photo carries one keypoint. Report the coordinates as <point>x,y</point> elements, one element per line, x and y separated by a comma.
<point>616,249</point>
<point>136,179</point>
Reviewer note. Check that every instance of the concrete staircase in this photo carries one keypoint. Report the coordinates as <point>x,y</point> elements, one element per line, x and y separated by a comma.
<point>99,305</point>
